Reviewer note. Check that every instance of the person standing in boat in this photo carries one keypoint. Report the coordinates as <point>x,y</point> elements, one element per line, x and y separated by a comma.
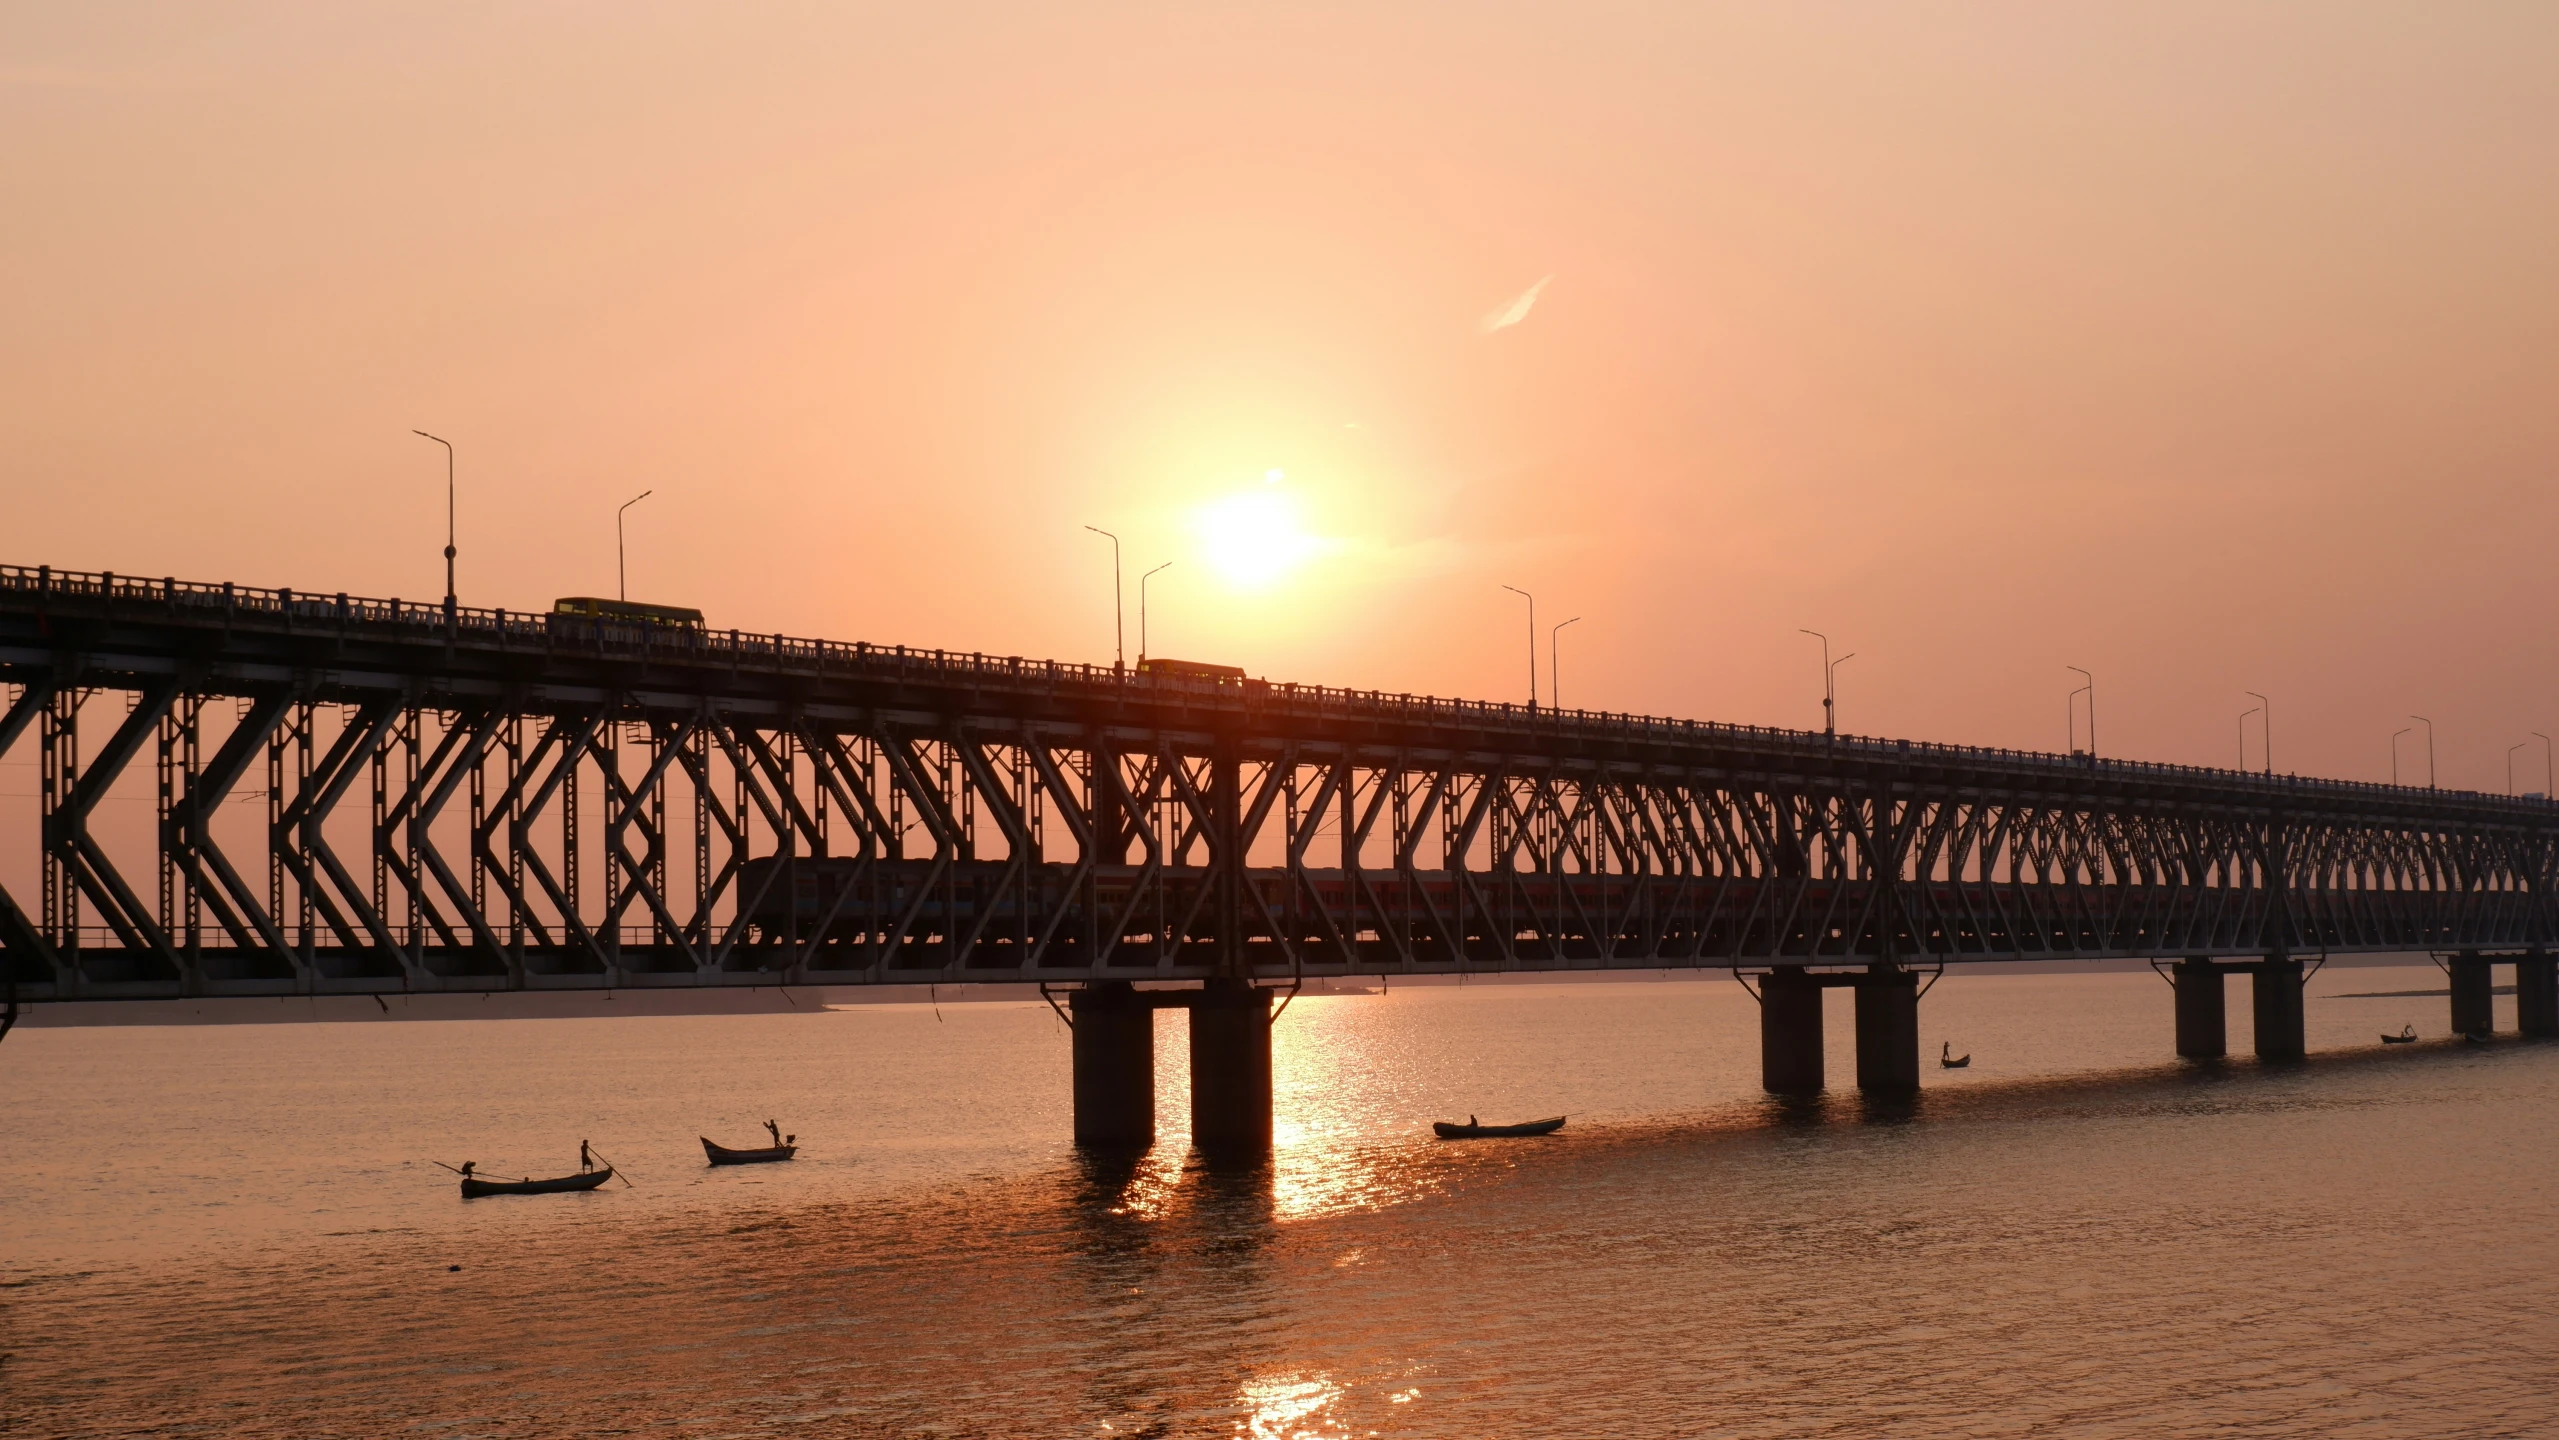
<point>776,1132</point>
<point>586,1157</point>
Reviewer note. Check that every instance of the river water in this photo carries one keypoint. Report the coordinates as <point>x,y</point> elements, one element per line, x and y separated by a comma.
<point>238,1230</point>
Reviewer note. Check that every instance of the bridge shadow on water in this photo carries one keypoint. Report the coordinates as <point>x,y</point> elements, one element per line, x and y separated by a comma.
<point>1121,1221</point>
<point>1128,1204</point>
<point>2228,1085</point>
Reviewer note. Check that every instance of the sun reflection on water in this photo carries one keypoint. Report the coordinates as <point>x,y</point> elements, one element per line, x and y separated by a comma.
<point>1331,1077</point>
<point>1290,1407</point>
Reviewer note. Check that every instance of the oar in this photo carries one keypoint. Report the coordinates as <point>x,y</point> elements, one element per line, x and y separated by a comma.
<point>609,1165</point>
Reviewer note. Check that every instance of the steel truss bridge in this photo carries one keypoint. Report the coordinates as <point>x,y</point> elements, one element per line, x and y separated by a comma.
<point>253,792</point>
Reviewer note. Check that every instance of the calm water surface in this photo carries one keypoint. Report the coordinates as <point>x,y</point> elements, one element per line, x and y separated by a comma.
<point>237,1230</point>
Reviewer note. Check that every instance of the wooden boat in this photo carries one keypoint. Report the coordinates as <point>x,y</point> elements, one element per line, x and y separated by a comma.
<point>723,1155</point>
<point>1949,1060</point>
<point>1449,1130</point>
<point>2407,1036</point>
<point>473,1187</point>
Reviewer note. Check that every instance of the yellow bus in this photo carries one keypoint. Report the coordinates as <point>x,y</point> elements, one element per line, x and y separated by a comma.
<point>629,612</point>
<point>1190,670</point>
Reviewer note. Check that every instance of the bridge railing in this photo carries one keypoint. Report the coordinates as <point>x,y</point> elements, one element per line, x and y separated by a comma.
<point>512,629</point>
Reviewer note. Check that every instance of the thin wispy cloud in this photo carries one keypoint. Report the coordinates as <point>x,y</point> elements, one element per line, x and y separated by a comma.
<point>1503,317</point>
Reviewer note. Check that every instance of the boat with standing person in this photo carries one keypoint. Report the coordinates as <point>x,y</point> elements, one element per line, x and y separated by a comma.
<point>782,1148</point>
<point>473,1187</point>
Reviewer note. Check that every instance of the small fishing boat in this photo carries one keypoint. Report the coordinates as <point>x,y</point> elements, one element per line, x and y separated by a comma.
<point>723,1155</point>
<point>1449,1130</point>
<point>1948,1059</point>
<point>2407,1036</point>
<point>473,1187</point>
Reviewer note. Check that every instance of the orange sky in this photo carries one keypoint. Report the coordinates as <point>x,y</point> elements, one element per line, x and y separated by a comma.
<point>2210,347</point>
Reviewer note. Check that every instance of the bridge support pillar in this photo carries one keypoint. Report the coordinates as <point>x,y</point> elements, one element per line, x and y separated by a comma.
<point>1114,1066</point>
<point>2276,985</point>
<point>1790,1032</point>
<point>1888,1030</point>
<point>1231,1068</point>
<point>2537,996</point>
<point>2474,1007</point>
<point>2203,1013</point>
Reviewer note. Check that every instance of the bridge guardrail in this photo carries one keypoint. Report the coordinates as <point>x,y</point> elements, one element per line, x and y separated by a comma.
<point>508,628</point>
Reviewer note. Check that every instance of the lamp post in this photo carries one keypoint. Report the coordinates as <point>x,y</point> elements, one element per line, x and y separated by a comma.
<point>2394,751</point>
<point>2546,786</point>
<point>1555,663</point>
<point>2510,764</point>
<point>1532,641</point>
<point>621,552</point>
<point>2090,690</point>
<point>2430,748</point>
<point>1141,608</point>
<point>448,522</point>
<point>2265,727</point>
<point>1830,691</point>
<point>2243,735</point>
<point>1119,635</point>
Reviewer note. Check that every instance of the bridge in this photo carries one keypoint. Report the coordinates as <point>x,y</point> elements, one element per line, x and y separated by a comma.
<point>359,796</point>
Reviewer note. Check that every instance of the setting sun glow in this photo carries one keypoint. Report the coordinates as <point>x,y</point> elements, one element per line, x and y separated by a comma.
<point>1256,538</point>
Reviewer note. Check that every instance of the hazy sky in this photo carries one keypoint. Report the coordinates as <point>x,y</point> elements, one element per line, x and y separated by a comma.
<point>2211,347</point>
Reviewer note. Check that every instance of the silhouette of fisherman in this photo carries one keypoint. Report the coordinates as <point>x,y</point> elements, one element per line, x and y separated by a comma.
<point>776,1131</point>
<point>586,1157</point>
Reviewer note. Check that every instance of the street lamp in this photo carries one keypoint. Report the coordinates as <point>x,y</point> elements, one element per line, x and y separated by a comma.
<point>621,552</point>
<point>1532,641</point>
<point>448,520</point>
<point>1830,692</point>
<point>1555,662</point>
<point>2266,728</point>
<point>1119,637</point>
<point>1141,608</point>
<point>2546,786</point>
<point>2071,717</point>
<point>2243,736</point>
<point>2430,748</point>
<point>2394,751</point>
<point>2510,764</point>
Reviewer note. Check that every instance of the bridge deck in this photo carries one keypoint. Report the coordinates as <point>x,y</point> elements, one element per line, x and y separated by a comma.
<point>365,795</point>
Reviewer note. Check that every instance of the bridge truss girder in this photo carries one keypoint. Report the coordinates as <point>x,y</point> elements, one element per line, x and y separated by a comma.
<point>655,840</point>
<point>481,800</point>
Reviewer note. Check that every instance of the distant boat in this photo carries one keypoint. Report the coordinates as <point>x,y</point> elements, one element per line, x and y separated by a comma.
<point>1948,1059</point>
<point>1449,1130</point>
<point>2407,1036</point>
<point>473,1187</point>
<point>723,1155</point>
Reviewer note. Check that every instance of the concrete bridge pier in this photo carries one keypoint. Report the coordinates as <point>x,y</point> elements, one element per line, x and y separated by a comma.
<point>1790,1032</point>
<point>1231,1068</point>
<point>2474,1007</point>
<point>2203,1019</point>
<point>1114,1066</point>
<point>2276,986</point>
<point>2537,996</point>
<point>1887,1030</point>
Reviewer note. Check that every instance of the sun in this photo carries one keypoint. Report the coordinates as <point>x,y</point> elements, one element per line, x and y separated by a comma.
<point>1255,538</point>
